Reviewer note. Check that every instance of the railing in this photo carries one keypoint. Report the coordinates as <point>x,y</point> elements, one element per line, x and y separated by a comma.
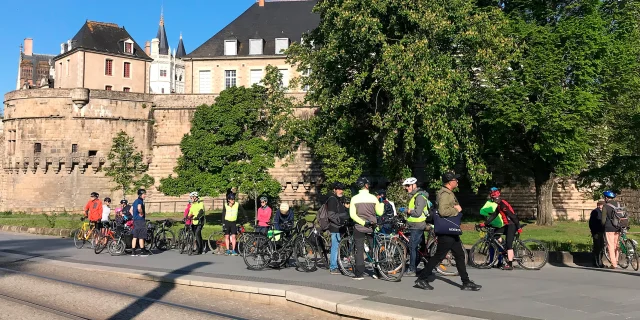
<point>179,206</point>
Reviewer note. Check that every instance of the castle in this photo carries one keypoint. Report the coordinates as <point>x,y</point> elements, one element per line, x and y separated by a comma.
<point>55,140</point>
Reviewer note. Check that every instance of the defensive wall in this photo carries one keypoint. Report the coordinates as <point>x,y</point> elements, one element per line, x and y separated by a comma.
<point>74,129</point>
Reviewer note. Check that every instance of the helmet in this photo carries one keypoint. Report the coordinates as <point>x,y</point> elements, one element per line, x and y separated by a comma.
<point>609,194</point>
<point>362,182</point>
<point>107,199</point>
<point>284,207</point>
<point>494,189</point>
<point>338,186</point>
<point>382,192</point>
<point>194,194</point>
<point>263,198</point>
<point>124,201</point>
<point>141,192</point>
<point>95,194</point>
<point>409,181</point>
<point>231,196</point>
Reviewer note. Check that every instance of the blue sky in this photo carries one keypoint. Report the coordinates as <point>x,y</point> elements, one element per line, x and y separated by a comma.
<point>51,23</point>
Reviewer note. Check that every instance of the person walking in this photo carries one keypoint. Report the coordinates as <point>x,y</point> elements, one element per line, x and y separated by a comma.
<point>612,233</point>
<point>264,216</point>
<point>364,210</point>
<point>448,207</point>
<point>416,221</point>
<point>597,233</point>
<point>337,213</point>
<point>139,224</point>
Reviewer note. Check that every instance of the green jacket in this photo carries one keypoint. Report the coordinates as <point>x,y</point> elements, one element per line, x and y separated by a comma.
<point>446,202</point>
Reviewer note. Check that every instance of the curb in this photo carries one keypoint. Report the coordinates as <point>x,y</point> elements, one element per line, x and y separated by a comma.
<point>59,232</point>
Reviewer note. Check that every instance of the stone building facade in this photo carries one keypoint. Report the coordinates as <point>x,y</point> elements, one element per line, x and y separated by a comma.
<point>34,70</point>
<point>166,74</point>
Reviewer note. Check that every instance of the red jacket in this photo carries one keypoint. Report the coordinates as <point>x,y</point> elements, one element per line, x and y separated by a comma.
<point>95,210</point>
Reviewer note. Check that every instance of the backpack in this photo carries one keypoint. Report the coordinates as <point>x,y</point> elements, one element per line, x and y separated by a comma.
<point>619,218</point>
<point>323,216</point>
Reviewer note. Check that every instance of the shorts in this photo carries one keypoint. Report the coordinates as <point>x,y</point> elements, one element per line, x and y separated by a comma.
<point>230,227</point>
<point>139,229</point>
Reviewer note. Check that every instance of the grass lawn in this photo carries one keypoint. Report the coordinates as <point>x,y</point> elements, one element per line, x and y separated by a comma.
<point>562,236</point>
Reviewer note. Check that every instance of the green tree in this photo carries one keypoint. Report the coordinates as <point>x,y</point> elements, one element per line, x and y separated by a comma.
<point>394,82</point>
<point>234,142</point>
<point>548,118</point>
<point>125,167</point>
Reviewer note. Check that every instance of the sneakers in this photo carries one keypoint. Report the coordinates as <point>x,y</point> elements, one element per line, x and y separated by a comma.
<point>471,286</point>
<point>234,253</point>
<point>144,253</point>
<point>358,278</point>
<point>422,284</point>
<point>507,267</point>
<point>335,272</point>
<point>134,253</point>
<point>227,253</point>
<point>375,276</point>
<point>410,273</point>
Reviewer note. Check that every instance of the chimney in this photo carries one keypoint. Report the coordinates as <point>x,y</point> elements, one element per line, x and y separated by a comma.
<point>69,45</point>
<point>62,48</point>
<point>261,3</point>
<point>28,47</point>
<point>147,48</point>
<point>155,46</point>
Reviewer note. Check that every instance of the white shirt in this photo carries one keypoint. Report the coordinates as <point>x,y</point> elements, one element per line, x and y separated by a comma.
<point>105,212</point>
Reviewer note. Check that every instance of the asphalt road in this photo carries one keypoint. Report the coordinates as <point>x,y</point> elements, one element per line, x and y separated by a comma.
<point>555,292</point>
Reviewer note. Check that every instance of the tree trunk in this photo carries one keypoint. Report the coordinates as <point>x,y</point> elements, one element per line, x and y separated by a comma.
<point>544,197</point>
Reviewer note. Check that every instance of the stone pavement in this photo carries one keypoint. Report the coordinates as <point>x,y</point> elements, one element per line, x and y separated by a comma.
<point>555,292</point>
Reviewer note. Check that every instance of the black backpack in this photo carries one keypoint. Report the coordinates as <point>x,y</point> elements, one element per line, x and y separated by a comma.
<point>323,216</point>
<point>619,218</point>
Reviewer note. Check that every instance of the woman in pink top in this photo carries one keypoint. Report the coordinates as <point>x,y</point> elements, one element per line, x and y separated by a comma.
<point>264,216</point>
<point>187,220</point>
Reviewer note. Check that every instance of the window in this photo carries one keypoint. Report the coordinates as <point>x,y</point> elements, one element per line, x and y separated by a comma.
<point>108,88</point>
<point>128,47</point>
<point>74,148</point>
<point>255,76</point>
<point>305,74</point>
<point>12,142</point>
<point>255,46</point>
<point>37,147</point>
<point>229,79</point>
<point>127,69</point>
<point>285,77</point>
<point>26,71</point>
<point>230,47</point>
<point>108,67</point>
<point>163,73</point>
<point>282,44</point>
<point>161,90</point>
<point>93,153</point>
<point>204,81</point>
<point>125,89</point>
<point>67,68</point>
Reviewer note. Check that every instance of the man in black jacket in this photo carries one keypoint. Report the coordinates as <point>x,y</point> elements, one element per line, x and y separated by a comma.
<point>597,233</point>
<point>338,215</point>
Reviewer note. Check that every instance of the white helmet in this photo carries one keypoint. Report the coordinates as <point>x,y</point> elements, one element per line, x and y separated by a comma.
<point>409,181</point>
<point>194,194</point>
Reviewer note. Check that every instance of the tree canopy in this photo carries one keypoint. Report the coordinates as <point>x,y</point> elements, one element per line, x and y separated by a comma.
<point>126,166</point>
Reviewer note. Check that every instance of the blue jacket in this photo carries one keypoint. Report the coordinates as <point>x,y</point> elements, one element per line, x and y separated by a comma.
<point>280,219</point>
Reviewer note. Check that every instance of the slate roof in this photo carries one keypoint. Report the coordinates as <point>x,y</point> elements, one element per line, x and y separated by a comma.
<point>180,52</point>
<point>35,60</point>
<point>104,37</point>
<point>277,19</point>
<point>163,47</point>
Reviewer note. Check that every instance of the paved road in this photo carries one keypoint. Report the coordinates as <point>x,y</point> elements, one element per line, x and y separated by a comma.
<point>555,292</point>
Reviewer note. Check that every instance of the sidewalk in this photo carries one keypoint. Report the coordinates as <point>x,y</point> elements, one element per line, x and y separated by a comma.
<point>555,292</point>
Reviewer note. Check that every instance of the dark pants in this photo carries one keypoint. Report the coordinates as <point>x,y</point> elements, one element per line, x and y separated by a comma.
<point>358,238</point>
<point>598,246</point>
<point>416,236</point>
<point>446,243</point>
<point>197,231</point>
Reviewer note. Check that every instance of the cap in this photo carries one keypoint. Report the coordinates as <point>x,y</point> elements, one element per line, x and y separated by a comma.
<point>450,176</point>
<point>338,186</point>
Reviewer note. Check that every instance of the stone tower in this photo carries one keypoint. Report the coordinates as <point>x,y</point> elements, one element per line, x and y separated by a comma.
<point>166,74</point>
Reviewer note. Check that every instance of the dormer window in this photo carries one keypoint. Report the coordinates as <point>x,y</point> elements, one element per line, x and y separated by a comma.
<point>282,44</point>
<point>255,46</point>
<point>128,46</point>
<point>231,47</point>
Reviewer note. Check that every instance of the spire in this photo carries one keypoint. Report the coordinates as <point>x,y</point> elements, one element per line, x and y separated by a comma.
<point>180,53</point>
<point>162,35</point>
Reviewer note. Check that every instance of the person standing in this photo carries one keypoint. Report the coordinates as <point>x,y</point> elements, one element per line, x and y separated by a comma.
<point>448,207</point>
<point>337,213</point>
<point>93,210</point>
<point>385,220</point>
<point>196,214</point>
<point>106,210</point>
<point>264,216</point>
<point>364,210</point>
<point>416,221</point>
<point>230,215</point>
<point>597,233</point>
<point>612,233</point>
<point>139,224</point>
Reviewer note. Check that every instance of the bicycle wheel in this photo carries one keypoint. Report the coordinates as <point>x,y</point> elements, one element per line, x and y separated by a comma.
<point>213,240</point>
<point>240,242</point>
<point>391,260</point>
<point>531,254</point>
<point>100,243</point>
<point>323,247</point>
<point>116,247</point>
<point>189,245</point>
<point>346,258</point>
<point>78,238</point>
<point>182,242</point>
<point>306,255</point>
<point>164,240</point>
<point>632,255</point>
<point>257,252</point>
<point>483,254</point>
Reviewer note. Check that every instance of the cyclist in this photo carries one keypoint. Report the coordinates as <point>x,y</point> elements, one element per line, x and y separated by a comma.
<point>230,214</point>
<point>187,219</point>
<point>139,224</point>
<point>284,215</point>
<point>385,219</point>
<point>264,215</point>
<point>511,224</point>
<point>612,233</point>
<point>106,209</point>
<point>364,209</point>
<point>93,210</point>
<point>417,212</point>
<point>337,213</point>
<point>196,214</point>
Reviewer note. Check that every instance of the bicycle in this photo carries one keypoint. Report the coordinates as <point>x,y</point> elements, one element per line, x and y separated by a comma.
<point>627,255</point>
<point>216,243</point>
<point>164,239</point>
<point>84,234</point>
<point>523,250</point>
<point>105,237</point>
<point>186,240</point>
<point>388,257</point>
<point>274,248</point>
<point>119,245</point>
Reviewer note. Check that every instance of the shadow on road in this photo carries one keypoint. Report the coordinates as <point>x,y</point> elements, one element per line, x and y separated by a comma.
<point>631,273</point>
<point>141,304</point>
